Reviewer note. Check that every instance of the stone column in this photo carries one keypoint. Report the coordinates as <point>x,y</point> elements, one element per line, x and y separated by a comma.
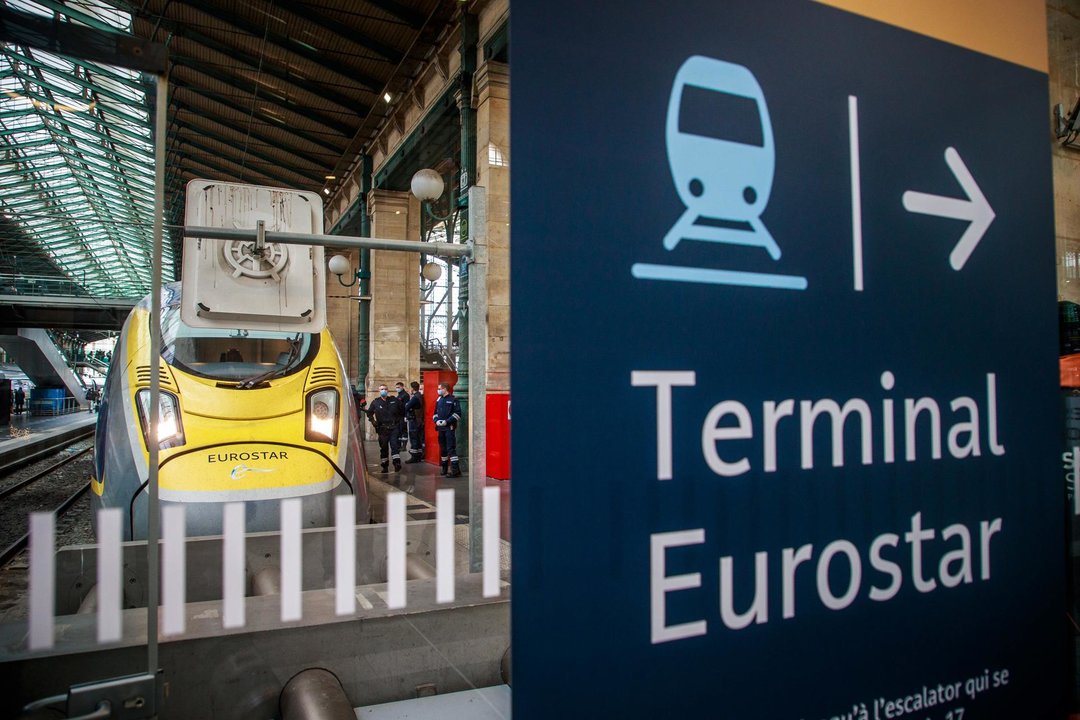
<point>342,313</point>
<point>1063,26</point>
<point>492,85</point>
<point>395,294</point>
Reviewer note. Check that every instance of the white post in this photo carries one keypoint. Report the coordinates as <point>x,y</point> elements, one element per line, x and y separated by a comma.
<point>152,518</point>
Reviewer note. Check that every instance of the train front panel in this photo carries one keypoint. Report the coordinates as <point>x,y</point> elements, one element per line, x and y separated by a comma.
<point>253,417</point>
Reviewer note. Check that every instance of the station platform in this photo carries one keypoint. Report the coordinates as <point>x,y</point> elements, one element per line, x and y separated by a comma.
<point>422,480</point>
<point>490,703</point>
<point>26,435</point>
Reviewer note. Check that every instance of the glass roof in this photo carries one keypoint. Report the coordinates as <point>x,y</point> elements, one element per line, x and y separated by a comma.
<point>77,159</point>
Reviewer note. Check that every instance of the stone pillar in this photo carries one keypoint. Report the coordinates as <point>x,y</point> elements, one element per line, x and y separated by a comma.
<point>342,313</point>
<point>1063,23</point>
<point>395,294</point>
<point>493,172</point>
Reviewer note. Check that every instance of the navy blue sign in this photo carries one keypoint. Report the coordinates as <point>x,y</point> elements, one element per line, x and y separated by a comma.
<point>786,429</point>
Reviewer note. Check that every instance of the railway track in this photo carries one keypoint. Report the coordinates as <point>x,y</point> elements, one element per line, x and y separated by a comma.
<point>39,475</point>
<point>15,504</point>
<point>16,547</point>
<point>10,467</point>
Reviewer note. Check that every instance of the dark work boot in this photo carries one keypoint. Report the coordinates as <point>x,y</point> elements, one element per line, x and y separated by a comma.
<point>385,468</point>
<point>397,466</point>
<point>442,469</point>
<point>455,471</point>
<point>413,458</point>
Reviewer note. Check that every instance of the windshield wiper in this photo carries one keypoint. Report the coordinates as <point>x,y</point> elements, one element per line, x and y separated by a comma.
<point>294,353</point>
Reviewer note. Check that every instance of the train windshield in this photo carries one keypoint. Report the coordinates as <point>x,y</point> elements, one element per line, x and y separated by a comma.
<point>232,354</point>
<point>721,115</point>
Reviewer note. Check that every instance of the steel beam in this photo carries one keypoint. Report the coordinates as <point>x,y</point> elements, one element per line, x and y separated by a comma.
<point>86,43</point>
<point>180,139</point>
<point>248,132</point>
<point>123,305</point>
<point>406,14</point>
<point>286,43</point>
<point>255,139</point>
<point>226,173</point>
<point>264,94</point>
<point>263,65</point>
<point>269,119</point>
<point>352,35</point>
<point>267,66</point>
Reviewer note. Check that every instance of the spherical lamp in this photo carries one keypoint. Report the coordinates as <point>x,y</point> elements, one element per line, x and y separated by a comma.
<point>432,271</point>
<point>340,265</point>
<point>427,185</point>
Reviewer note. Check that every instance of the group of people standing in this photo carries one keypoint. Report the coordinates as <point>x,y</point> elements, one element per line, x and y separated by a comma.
<point>400,415</point>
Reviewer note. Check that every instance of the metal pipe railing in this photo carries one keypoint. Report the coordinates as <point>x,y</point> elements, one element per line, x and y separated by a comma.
<point>315,694</point>
<point>54,406</point>
<point>434,248</point>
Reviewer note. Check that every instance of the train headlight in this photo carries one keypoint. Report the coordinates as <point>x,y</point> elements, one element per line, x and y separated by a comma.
<point>322,416</point>
<point>170,429</point>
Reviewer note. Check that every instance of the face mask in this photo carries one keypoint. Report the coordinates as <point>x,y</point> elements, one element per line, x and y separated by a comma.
<point>441,391</point>
<point>400,390</point>
<point>383,392</point>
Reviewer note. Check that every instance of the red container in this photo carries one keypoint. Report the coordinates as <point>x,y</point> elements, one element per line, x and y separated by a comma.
<point>498,424</point>
<point>431,380</point>
<point>498,436</point>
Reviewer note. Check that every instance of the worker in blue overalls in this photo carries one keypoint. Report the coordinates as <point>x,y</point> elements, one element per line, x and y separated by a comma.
<point>414,415</point>
<point>403,428</point>
<point>385,413</point>
<point>446,417</point>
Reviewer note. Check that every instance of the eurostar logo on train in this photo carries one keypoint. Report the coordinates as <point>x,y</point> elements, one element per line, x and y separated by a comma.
<point>247,456</point>
<point>241,470</point>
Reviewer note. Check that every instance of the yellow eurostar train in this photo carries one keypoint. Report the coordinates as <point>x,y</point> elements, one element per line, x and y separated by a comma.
<point>247,416</point>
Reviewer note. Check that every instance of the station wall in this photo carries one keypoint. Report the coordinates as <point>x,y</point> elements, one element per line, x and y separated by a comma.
<point>1063,27</point>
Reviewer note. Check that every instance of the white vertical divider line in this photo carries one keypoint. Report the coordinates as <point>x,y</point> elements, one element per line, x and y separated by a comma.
<point>173,570</point>
<point>395,550</point>
<point>444,545</point>
<point>110,582</point>
<point>856,192</point>
<point>491,541</point>
<point>42,580</point>
<point>291,560</point>
<point>233,570</point>
<point>345,554</point>
<point>1076,479</point>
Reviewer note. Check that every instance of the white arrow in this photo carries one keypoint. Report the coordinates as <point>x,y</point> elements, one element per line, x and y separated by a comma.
<point>975,209</point>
